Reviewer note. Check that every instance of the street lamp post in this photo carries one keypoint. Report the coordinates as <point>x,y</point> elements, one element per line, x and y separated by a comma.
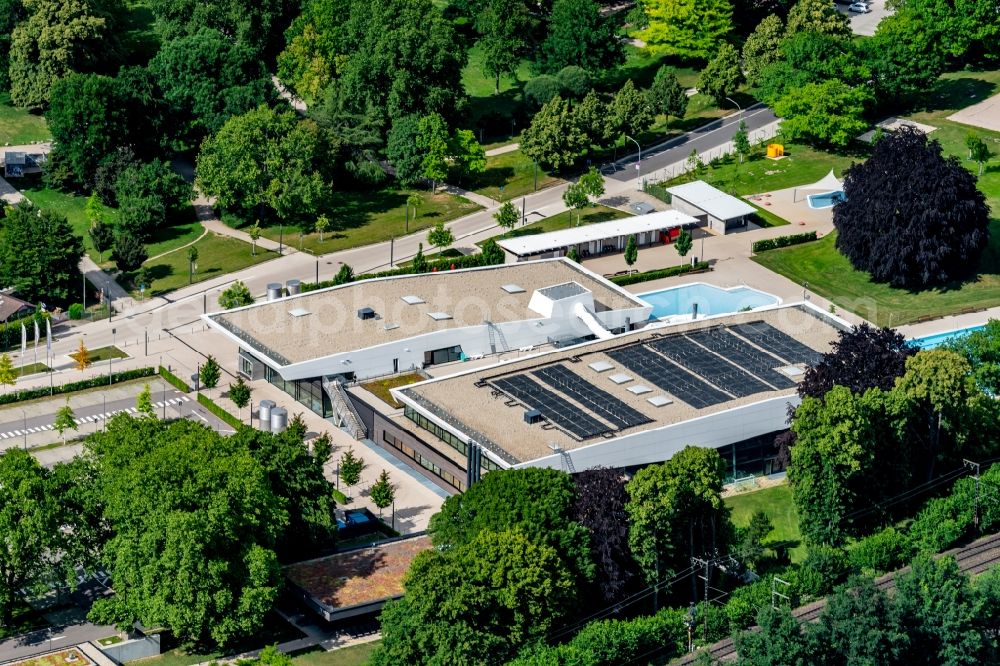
<point>111,354</point>
<point>638,163</point>
<point>740,108</point>
<point>281,238</point>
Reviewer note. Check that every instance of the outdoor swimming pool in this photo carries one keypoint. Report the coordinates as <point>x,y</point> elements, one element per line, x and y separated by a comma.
<point>826,200</point>
<point>938,339</point>
<point>709,299</point>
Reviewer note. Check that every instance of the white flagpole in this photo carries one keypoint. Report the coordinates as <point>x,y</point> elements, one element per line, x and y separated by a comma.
<point>24,345</point>
<point>48,342</point>
<point>36,342</point>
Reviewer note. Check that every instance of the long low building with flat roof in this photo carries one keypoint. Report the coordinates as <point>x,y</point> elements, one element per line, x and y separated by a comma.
<point>600,238</point>
<point>389,325</point>
<point>723,382</point>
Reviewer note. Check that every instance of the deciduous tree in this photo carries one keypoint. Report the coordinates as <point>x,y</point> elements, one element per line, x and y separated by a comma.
<point>254,24</point>
<point>824,114</point>
<point>210,373</point>
<point>235,295</point>
<point>39,254</point>
<point>81,356</point>
<point>440,236</point>
<point>150,197</point>
<point>433,144</point>
<point>631,252</point>
<point>8,373</point>
<point>502,27</point>
<point>629,112</point>
<point>687,29</point>
<point>144,403</point>
<point>382,492</point>
<point>982,350</point>
<point>554,137</point>
<point>861,358</point>
<point>819,17</point>
<point>351,467</point>
<point>102,235</point>
<point>600,507</point>
<point>579,35</point>
<point>128,252</point>
<point>683,243</point>
<point>667,95</point>
<point>721,77</point>
<point>239,394</point>
<point>507,216</point>
<point>925,231</point>
<point>762,47</point>
<point>467,156</point>
<point>65,420</point>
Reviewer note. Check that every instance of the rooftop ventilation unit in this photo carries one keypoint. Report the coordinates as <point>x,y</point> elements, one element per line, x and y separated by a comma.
<point>294,287</point>
<point>366,313</point>
<point>513,289</point>
<point>439,316</point>
<point>299,312</point>
<point>412,300</point>
<point>532,416</point>
<point>273,291</point>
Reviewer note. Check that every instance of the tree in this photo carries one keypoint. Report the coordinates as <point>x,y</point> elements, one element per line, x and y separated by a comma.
<point>250,23</point>
<point>206,79</point>
<point>440,236</point>
<point>631,252</point>
<point>212,574</point>
<point>741,141</point>
<point>403,151</point>
<point>592,182</point>
<point>239,393</point>
<point>579,35</point>
<point>667,95</point>
<point>859,625</point>
<point>683,243</point>
<point>433,143</point>
<point>762,47</point>
<point>818,17</point>
<point>467,156</point>
<point>57,38</point>
<point>554,138</point>
<point>575,197</point>
<point>676,503</point>
<point>507,216</point>
<point>150,196</point>
<point>824,114</point>
<point>65,420</point>
<point>905,55</point>
<point>128,252</point>
<point>39,254</point>
<point>980,152</point>
<point>192,257</point>
<point>694,162</point>
<point>268,159</point>
<point>541,89</point>
<point>502,26</point>
<point>322,224</point>
<point>478,603</point>
<point>143,278</point>
<point>629,111</point>
<point>926,231</point>
<point>345,274</point>
<point>573,254</point>
<point>690,30</point>
<point>351,467</point>
<point>29,523</point>
<point>81,356</point>
<point>749,540</point>
<point>779,642</point>
<point>102,235</point>
<point>210,373</point>
<point>382,492</point>
<point>861,358</point>
<point>600,508</point>
<point>144,403</point>
<point>721,77</point>
<point>235,295</point>
<point>8,373</point>
<point>982,350</point>
<point>419,262</point>
<point>575,81</point>
<point>405,58</point>
<point>12,13</point>
<point>255,233</point>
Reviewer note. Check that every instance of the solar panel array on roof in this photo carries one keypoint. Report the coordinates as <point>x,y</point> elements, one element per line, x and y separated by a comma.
<point>657,370</point>
<point>553,407</point>
<point>742,353</point>
<point>602,403</point>
<point>768,337</point>
<point>714,368</point>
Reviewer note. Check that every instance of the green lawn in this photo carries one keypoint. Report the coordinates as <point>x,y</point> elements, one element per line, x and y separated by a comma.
<point>18,126</point>
<point>776,501</point>
<point>373,217</point>
<point>565,220</point>
<point>355,655</point>
<point>31,368</point>
<point>515,172</point>
<point>104,353</point>
<point>217,255</point>
<point>831,275</point>
<point>380,388</point>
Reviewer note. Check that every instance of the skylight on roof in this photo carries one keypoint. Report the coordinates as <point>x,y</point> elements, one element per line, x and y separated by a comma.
<point>439,316</point>
<point>413,300</point>
<point>513,288</point>
<point>299,312</point>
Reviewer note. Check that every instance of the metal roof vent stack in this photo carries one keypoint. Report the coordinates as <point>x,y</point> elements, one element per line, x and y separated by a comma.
<point>264,415</point>
<point>273,291</point>
<point>279,419</point>
<point>294,287</point>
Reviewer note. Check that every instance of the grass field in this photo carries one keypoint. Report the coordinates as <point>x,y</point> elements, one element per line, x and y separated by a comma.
<point>217,255</point>
<point>776,501</point>
<point>355,655</point>
<point>104,353</point>
<point>30,368</point>
<point>380,388</point>
<point>515,172</point>
<point>18,126</point>
<point>373,217</point>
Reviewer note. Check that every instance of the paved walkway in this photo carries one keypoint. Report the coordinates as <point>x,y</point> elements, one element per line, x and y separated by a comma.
<point>205,211</point>
<point>509,148</point>
<point>288,95</point>
<point>101,280</point>
<point>475,198</point>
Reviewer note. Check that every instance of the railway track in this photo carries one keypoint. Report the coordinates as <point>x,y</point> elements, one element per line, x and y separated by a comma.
<point>978,557</point>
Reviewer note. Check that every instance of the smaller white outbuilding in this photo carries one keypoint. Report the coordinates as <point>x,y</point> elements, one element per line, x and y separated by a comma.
<point>711,206</point>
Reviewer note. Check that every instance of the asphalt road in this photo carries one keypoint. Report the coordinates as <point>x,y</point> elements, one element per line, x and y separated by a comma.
<point>702,139</point>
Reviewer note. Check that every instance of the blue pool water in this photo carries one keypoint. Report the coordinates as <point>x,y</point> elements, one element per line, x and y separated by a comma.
<point>825,200</point>
<point>938,339</point>
<point>710,300</point>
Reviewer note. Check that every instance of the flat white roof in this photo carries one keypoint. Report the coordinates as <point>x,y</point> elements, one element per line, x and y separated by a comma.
<point>713,201</point>
<point>628,226</point>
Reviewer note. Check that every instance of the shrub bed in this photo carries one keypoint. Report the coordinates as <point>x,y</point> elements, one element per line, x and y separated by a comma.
<point>622,280</point>
<point>174,380</point>
<point>82,385</point>
<point>782,241</point>
<point>225,416</point>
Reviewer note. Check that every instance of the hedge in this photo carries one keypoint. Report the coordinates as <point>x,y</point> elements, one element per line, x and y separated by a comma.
<point>82,385</point>
<point>623,280</point>
<point>174,380</point>
<point>226,417</point>
<point>438,265</point>
<point>782,241</point>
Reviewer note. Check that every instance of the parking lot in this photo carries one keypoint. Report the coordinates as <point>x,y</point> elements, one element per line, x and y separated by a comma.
<point>865,24</point>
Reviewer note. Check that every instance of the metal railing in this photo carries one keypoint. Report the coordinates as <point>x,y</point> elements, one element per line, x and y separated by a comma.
<point>342,406</point>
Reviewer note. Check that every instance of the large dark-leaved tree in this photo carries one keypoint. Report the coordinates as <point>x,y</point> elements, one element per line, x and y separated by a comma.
<point>39,254</point>
<point>912,218</point>
<point>600,507</point>
<point>861,358</point>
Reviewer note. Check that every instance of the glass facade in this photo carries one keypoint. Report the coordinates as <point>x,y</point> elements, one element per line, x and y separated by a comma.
<point>407,451</point>
<point>309,392</point>
<point>445,436</point>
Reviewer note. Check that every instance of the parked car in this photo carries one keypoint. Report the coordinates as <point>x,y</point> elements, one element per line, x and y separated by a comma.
<point>859,7</point>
